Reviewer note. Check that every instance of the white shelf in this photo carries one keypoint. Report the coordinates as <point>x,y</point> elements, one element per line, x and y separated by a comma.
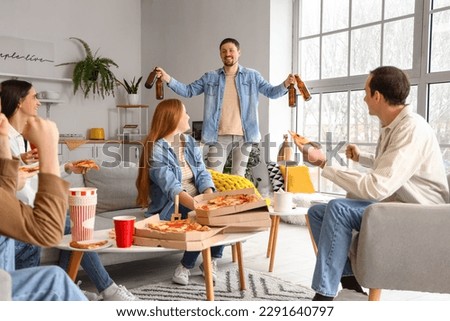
<point>3,74</point>
<point>50,101</point>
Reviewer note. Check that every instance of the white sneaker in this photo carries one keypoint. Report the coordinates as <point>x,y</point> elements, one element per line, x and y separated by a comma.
<point>181,275</point>
<point>118,293</point>
<point>214,269</point>
<point>91,296</point>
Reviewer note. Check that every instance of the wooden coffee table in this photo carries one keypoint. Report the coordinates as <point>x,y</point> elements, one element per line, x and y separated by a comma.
<point>275,216</point>
<point>229,239</point>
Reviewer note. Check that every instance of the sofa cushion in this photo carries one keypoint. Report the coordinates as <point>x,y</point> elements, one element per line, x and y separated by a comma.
<point>116,187</point>
<point>275,176</point>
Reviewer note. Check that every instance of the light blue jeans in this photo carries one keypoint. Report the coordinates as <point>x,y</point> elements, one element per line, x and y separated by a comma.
<point>218,154</point>
<point>90,263</point>
<point>28,255</point>
<point>49,283</point>
<point>332,225</point>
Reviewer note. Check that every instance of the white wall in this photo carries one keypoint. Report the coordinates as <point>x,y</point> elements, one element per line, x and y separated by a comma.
<point>182,36</point>
<point>112,26</point>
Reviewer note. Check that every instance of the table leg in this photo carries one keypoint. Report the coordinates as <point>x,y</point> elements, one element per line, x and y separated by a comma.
<point>233,252</point>
<point>311,235</point>
<point>206,253</point>
<point>274,241</point>
<point>74,264</point>
<point>270,244</point>
<point>240,265</point>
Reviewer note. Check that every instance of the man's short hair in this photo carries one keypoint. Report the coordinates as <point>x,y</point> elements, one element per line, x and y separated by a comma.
<point>227,40</point>
<point>392,83</point>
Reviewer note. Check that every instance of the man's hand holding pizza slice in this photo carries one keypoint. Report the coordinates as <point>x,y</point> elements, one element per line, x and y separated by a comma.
<point>312,152</point>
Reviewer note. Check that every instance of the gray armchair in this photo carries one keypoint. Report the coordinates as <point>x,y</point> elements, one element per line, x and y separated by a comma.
<point>5,286</point>
<point>403,247</point>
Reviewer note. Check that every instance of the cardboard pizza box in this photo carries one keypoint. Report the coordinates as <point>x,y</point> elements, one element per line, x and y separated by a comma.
<point>230,219</point>
<point>197,245</point>
<point>141,230</point>
<point>243,229</point>
<point>203,199</point>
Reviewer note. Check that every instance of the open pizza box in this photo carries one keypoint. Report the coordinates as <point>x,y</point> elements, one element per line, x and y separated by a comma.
<point>141,230</point>
<point>197,245</point>
<point>249,217</point>
<point>203,199</point>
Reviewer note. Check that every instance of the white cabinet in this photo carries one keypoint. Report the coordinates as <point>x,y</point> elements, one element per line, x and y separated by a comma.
<point>106,153</point>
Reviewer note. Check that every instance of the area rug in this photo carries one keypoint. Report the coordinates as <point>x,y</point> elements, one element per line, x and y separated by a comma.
<point>260,287</point>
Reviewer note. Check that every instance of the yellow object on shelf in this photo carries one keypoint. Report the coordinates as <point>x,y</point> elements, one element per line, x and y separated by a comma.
<point>97,133</point>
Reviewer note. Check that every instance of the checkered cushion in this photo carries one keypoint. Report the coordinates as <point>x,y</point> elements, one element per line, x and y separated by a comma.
<point>275,177</point>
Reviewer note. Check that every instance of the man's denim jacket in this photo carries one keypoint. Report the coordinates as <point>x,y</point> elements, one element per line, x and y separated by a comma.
<point>249,84</point>
<point>165,176</point>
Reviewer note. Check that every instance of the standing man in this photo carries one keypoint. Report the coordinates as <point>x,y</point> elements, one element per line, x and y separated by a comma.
<point>407,167</point>
<point>230,115</point>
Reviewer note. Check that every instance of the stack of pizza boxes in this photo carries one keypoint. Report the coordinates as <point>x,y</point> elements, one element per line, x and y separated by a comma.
<point>246,217</point>
<point>190,241</point>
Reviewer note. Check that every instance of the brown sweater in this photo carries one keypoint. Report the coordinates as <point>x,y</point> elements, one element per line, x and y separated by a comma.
<point>42,225</point>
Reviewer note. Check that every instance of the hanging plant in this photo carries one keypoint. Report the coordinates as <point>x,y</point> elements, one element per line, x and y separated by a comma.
<point>93,73</point>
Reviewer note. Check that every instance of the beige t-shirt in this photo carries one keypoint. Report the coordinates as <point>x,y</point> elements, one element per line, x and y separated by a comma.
<point>230,120</point>
<point>187,177</point>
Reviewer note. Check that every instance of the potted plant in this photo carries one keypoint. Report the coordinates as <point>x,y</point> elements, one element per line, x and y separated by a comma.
<point>93,73</point>
<point>131,89</point>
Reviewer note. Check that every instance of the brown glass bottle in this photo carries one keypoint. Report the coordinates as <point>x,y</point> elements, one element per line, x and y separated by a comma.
<point>286,152</point>
<point>159,89</point>
<point>292,95</point>
<point>303,89</point>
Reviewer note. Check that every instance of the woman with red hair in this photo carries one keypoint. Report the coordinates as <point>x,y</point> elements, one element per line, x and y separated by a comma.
<point>172,164</point>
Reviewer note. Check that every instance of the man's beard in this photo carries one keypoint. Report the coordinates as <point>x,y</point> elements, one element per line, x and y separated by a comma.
<point>229,62</point>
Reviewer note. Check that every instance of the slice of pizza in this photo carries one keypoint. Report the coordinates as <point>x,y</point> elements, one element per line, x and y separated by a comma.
<point>301,140</point>
<point>86,164</point>
<point>229,200</point>
<point>88,245</point>
<point>177,226</point>
<point>29,169</point>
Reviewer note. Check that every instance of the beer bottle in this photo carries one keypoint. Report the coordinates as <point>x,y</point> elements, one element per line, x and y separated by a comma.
<point>292,96</point>
<point>286,152</point>
<point>159,89</point>
<point>303,89</point>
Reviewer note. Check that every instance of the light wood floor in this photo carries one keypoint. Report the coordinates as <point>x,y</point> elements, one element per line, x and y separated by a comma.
<point>294,262</point>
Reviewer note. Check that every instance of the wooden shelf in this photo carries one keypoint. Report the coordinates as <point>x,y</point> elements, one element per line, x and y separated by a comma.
<point>132,106</point>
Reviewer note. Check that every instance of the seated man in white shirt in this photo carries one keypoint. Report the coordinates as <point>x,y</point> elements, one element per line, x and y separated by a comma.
<point>407,167</point>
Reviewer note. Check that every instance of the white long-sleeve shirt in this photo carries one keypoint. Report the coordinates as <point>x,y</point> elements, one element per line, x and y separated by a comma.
<point>407,167</point>
<point>17,145</point>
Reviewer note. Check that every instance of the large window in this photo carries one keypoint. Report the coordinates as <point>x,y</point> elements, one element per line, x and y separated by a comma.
<point>340,41</point>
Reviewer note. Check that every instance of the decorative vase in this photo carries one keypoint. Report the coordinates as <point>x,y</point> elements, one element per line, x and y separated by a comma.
<point>133,99</point>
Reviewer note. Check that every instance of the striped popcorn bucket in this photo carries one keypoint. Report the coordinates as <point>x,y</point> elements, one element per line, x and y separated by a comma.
<point>82,206</point>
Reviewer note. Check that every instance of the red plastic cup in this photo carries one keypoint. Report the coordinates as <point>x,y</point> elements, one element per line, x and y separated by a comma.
<point>124,227</point>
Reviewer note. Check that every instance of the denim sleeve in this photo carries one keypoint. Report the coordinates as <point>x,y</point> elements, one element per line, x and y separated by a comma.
<point>203,178</point>
<point>266,89</point>
<point>163,172</point>
<point>193,89</point>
